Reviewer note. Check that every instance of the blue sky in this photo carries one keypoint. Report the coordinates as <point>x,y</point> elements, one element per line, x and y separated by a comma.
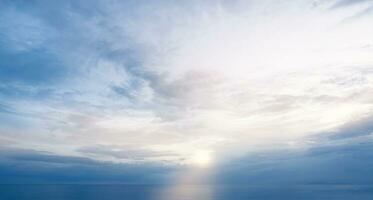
<point>146,91</point>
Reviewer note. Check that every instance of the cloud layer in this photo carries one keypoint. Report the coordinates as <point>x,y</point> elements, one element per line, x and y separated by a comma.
<point>154,82</point>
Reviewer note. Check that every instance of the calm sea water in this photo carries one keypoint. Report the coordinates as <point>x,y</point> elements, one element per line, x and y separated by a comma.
<point>138,192</point>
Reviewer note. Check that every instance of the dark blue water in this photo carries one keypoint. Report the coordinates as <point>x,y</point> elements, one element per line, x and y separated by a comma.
<point>141,192</point>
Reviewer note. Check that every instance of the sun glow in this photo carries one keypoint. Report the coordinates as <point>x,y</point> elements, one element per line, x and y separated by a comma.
<point>201,158</point>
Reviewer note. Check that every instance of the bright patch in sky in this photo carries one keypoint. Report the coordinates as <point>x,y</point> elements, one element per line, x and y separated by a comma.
<point>201,158</point>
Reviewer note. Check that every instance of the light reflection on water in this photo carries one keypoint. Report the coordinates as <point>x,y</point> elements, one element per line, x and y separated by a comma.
<point>187,186</point>
<point>186,192</point>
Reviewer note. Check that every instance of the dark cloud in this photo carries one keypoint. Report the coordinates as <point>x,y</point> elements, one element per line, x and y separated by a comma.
<point>351,129</point>
<point>28,166</point>
<point>348,164</point>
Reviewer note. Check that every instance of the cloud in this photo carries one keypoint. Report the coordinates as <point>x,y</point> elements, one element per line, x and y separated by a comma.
<point>133,81</point>
<point>28,166</point>
<point>355,128</point>
<point>343,3</point>
<point>326,165</point>
<point>120,152</point>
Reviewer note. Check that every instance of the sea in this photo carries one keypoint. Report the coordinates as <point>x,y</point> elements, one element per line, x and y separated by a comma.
<point>183,192</point>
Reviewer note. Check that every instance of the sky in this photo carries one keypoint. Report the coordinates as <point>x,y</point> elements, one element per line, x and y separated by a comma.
<point>154,91</point>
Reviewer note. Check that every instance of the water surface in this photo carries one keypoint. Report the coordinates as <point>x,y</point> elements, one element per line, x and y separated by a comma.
<point>186,192</point>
